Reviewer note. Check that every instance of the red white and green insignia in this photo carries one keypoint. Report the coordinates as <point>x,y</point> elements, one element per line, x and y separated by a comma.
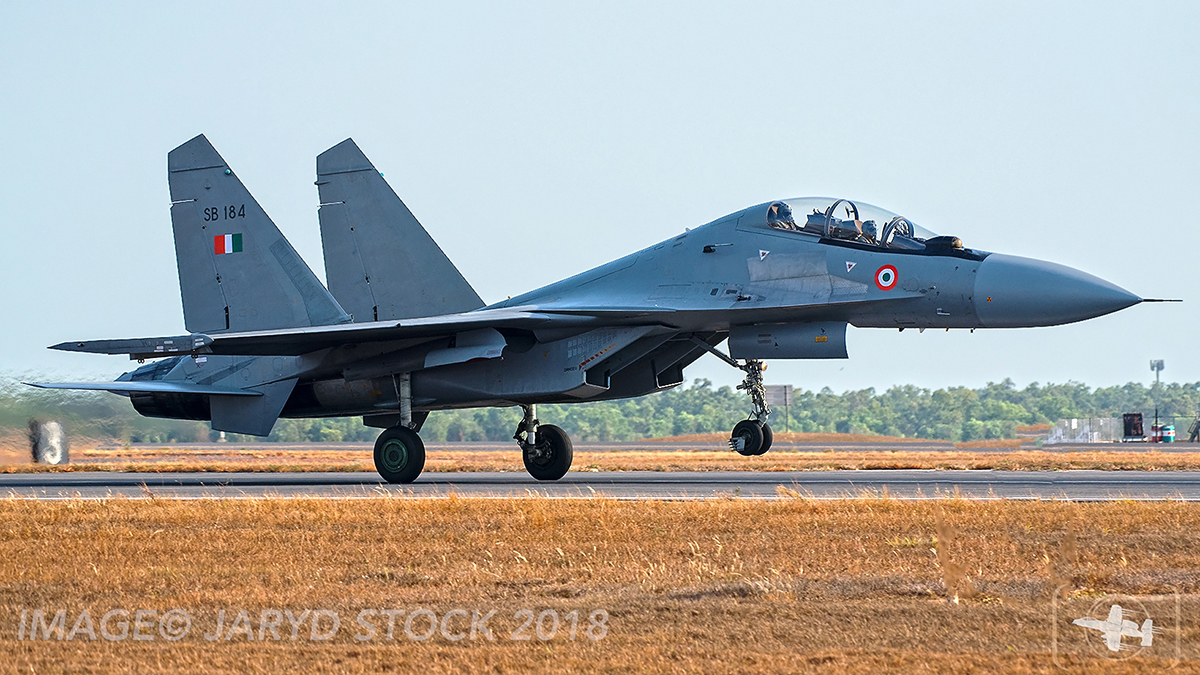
<point>227,243</point>
<point>885,278</point>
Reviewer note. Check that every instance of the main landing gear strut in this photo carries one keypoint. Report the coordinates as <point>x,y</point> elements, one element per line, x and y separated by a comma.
<point>546,449</point>
<point>399,451</point>
<point>751,436</point>
<point>400,454</point>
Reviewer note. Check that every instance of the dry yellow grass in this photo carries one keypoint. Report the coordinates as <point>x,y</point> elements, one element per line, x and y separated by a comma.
<point>994,443</point>
<point>267,458</point>
<point>793,437</point>
<point>854,586</point>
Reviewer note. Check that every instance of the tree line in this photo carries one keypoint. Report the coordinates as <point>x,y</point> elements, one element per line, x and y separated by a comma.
<point>953,413</point>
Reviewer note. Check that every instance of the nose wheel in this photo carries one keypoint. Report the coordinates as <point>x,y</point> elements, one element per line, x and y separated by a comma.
<point>751,436</point>
<point>545,448</point>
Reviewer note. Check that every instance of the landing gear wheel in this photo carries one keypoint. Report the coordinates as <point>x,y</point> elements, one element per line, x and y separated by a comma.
<point>768,438</point>
<point>399,455</point>
<point>749,435</point>
<point>551,458</point>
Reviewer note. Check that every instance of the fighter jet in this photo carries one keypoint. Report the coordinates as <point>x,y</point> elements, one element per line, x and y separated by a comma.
<point>1115,627</point>
<point>399,333</point>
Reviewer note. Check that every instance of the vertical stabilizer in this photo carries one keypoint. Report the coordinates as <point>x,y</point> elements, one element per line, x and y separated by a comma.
<point>236,270</point>
<point>379,261</point>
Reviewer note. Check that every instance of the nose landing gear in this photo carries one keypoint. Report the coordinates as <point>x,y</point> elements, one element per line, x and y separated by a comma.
<point>751,436</point>
<point>545,448</point>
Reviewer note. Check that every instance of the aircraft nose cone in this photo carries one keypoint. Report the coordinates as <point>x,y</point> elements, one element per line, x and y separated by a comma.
<point>1015,292</point>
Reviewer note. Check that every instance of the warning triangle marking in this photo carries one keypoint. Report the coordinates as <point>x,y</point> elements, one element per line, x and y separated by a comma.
<point>850,265</point>
<point>762,254</point>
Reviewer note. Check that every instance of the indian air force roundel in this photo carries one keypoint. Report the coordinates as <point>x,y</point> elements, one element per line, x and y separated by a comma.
<point>885,278</point>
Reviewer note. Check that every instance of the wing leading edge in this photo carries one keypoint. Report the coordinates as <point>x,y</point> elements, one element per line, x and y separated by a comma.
<point>148,386</point>
<point>296,341</point>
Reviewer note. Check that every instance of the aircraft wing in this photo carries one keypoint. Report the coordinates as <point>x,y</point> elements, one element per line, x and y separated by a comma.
<point>296,341</point>
<point>306,339</point>
<point>148,386</point>
<point>1112,639</point>
<point>1114,615</point>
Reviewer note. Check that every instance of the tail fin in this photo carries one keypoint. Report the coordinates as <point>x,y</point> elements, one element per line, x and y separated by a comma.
<point>236,270</point>
<point>379,261</point>
<point>1147,633</point>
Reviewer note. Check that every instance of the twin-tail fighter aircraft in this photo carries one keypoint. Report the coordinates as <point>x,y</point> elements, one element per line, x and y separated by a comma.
<point>399,332</point>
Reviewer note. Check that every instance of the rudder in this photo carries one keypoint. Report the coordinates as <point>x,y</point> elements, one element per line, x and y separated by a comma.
<point>379,261</point>
<point>237,272</point>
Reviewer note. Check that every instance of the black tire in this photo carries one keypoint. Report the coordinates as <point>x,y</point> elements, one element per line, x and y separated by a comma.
<point>752,432</point>
<point>48,443</point>
<point>768,438</point>
<point>552,457</point>
<point>399,455</point>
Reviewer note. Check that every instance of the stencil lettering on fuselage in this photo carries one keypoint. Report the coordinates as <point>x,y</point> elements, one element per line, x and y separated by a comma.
<point>591,343</point>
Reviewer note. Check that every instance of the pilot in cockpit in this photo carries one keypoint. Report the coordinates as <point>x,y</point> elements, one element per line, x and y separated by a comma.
<point>779,215</point>
<point>870,232</point>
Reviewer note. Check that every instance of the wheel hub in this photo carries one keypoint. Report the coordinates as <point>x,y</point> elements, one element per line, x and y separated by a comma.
<point>540,454</point>
<point>395,456</point>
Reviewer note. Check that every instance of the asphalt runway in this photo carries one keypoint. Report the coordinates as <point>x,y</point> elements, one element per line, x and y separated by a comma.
<point>658,485</point>
<point>217,449</point>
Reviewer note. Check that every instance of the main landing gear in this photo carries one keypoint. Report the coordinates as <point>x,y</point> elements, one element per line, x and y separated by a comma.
<point>399,455</point>
<point>751,436</point>
<point>545,448</point>
<point>399,451</point>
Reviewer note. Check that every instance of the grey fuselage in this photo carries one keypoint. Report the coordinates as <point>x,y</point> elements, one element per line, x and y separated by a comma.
<point>629,327</point>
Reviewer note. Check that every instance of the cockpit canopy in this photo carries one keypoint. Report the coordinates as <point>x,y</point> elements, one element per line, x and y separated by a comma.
<point>842,219</point>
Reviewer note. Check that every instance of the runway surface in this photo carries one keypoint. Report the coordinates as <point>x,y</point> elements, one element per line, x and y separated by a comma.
<point>659,446</point>
<point>907,484</point>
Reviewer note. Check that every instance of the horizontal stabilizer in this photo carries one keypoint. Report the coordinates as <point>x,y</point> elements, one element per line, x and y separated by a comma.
<point>139,347</point>
<point>149,387</point>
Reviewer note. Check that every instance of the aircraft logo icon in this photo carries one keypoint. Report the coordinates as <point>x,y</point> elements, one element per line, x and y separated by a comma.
<point>1115,627</point>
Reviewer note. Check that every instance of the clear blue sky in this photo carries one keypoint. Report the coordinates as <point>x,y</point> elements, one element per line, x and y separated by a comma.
<point>535,140</point>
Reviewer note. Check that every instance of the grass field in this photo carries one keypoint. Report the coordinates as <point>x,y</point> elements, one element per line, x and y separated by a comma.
<point>868,585</point>
<point>271,458</point>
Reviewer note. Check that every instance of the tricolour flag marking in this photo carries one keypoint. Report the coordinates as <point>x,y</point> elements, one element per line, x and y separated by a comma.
<point>227,243</point>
